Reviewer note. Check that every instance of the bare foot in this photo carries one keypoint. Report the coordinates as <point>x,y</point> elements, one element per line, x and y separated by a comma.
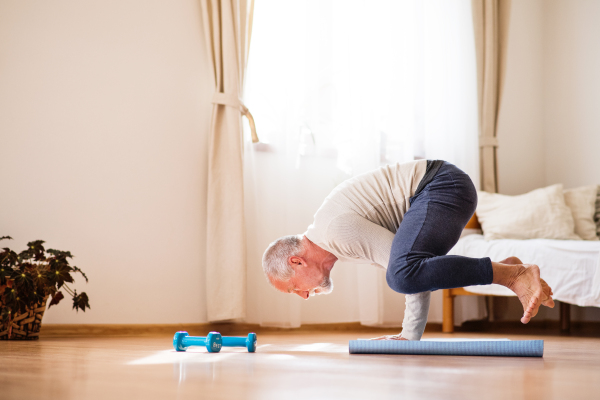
<point>390,337</point>
<point>531,290</point>
<point>547,299</point>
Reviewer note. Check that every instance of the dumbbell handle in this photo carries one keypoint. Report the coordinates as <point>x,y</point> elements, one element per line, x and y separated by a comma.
<point>248,342</point>
<point>194,341</point>
<point>233,341</point>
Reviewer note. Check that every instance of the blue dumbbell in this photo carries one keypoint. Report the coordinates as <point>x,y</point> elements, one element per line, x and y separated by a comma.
<point>247,342</point>
<point>213,342</point>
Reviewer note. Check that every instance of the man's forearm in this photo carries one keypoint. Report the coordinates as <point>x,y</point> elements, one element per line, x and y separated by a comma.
<point>415,315</point>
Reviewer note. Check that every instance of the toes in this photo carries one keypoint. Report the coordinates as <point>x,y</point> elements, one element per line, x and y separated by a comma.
<point>526,317</point>
<point>547,300</point>
<point>547,297</point>
<point>527,311</point>
<point>549,303</point>
<point>545,286</point>
<point>532,309</point>
<point>535,300</point>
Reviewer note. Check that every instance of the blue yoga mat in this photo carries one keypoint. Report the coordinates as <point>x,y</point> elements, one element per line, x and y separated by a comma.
<point>502,348</point>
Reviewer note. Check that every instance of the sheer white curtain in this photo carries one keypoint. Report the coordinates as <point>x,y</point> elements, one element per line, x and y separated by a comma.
<point>337,88</point>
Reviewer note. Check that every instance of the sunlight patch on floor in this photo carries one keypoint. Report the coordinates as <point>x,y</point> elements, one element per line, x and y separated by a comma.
<point>173,357</point>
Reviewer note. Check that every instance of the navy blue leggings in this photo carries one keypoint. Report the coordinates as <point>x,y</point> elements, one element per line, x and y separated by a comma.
<point>430,228</point>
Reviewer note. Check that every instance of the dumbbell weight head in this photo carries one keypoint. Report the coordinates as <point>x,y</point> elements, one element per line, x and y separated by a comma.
<point>213,342</point>
<point>251,342</point>
<point>178,340</point>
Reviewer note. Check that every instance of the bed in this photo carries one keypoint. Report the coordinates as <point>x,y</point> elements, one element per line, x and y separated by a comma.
<point>571,268</point>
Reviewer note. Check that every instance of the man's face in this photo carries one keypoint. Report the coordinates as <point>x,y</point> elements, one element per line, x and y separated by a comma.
<point>306,282</point>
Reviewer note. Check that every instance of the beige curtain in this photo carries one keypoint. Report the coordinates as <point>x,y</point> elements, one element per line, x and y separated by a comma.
<point>490,20</point>
<point>227,26</point>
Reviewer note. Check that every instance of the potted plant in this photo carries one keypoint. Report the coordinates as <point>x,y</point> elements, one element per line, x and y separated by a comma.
<point>27,280</point>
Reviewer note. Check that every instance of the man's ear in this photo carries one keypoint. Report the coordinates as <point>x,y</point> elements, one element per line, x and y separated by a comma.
<point>296,261</point>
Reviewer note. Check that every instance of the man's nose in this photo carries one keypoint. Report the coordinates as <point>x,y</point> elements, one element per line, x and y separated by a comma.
<point>304,294</point>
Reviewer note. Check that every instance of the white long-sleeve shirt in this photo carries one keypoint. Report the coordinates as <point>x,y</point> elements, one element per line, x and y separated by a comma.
<point>358,220</point>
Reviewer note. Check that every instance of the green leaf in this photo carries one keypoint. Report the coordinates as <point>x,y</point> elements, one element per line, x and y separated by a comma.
<point>8,257</point>
<point>34,250</point>
<point>5,314</point>
<point>40,279</point>
<point>15,300</point>
<point>23,280</point>
<point>81,301</point>
<point>36,245</point>
<point>36,296</point>
<point>5,237</point>
<point>10,294</point>
<point>63,255</point>
<point>56,298</point>
<point>59,272</point>
<point>81,272</point>
<point>5,273</point>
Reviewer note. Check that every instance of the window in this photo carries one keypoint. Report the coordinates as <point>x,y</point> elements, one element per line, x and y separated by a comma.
<point>365,82</point>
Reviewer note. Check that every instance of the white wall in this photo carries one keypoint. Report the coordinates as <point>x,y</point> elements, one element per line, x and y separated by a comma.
<point>549,124</point>
<point>572,91</point>
<point>103,132</point>
<point>521,158</point>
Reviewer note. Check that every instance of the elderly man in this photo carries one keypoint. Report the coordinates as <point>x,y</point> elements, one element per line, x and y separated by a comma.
<point>403,217</point>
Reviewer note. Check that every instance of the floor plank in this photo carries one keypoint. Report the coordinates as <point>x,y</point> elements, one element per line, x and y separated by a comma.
<point>289,365</point>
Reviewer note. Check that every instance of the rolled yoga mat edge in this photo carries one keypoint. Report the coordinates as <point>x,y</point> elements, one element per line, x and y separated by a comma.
<point>500,348</point>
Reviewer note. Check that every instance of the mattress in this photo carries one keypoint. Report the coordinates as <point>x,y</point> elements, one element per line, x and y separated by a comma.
<point>571,267</point>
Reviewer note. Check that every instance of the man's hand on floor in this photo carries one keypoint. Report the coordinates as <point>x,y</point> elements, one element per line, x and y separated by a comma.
<point>390,337</point>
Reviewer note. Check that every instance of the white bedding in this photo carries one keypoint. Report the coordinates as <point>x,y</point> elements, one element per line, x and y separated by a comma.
<point>571,267</point>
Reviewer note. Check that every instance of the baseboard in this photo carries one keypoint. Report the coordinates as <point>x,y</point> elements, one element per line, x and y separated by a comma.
<point>55,330</point>
<point>51,330</point>
<point>591,329</point>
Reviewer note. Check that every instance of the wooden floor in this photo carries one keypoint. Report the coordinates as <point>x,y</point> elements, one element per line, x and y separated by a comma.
<point>305,365</point>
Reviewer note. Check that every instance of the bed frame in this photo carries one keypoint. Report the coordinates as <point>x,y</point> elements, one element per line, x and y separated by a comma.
<point>450,294</point>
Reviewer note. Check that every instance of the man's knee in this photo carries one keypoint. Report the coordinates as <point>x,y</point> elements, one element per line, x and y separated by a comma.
<point>402,279</point>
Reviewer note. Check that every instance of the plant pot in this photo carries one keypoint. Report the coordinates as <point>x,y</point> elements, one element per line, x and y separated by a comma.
<point>26,325</point>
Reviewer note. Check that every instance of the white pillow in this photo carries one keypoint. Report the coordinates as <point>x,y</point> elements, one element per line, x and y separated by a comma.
<point>582,202</point>
<point>541,213</point>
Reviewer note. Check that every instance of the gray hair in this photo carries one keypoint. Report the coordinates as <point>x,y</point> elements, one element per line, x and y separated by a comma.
<point>275,260</point>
